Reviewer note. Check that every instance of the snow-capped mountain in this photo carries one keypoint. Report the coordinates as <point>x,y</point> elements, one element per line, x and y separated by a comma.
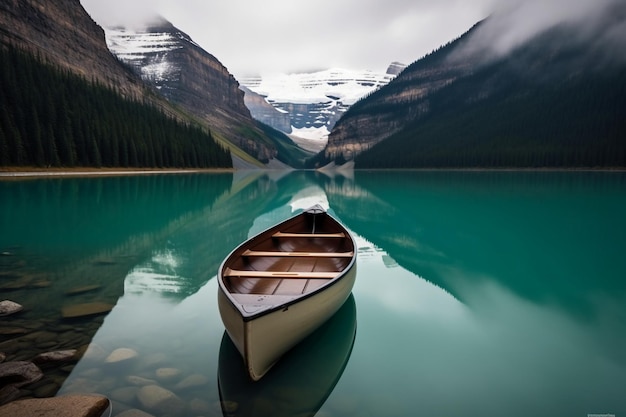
<point>187,75</point>
<point>313,101</point>
<point>147,52</point>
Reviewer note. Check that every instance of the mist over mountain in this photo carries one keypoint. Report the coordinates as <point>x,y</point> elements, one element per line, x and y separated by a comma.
<point>547,98</point>
<point>537,83</point>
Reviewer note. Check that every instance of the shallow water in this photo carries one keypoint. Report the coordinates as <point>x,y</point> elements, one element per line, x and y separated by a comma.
<point>477,293</point>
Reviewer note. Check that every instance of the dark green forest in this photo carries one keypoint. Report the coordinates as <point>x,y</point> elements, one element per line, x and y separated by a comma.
<point>52,118</point>
<point>552,103</point>
<point>574,123</point>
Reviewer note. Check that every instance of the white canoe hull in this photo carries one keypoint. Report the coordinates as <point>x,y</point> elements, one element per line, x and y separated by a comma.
<point>264,339</point>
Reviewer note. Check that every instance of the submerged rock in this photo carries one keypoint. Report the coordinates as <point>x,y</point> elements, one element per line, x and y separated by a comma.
<point>83,289</point>
<point>139,381</point>
<point>121,355</point>
<point>19,373</point>
<point>192,381</point>
<point>168,374</point>
<point>87,309</point>
<point>67,406</point>
<point>56,356</point>
<point>8,307</point>
<point>156,398</point>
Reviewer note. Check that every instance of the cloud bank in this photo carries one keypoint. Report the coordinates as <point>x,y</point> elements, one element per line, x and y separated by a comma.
<point>273,36</point>
<point>513,23</point>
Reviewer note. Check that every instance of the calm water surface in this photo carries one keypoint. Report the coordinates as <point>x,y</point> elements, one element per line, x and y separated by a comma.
<point>477,293</point>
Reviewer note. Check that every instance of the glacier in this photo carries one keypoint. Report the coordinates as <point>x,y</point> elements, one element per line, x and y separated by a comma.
<point>316,100</point>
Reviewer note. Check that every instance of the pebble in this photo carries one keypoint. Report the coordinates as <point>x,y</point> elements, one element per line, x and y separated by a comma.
<point>192,381</point>
<point>121,355</point>
<point>19,373</point>
<point>124,394</point>
<point>155,398</point>
<point>139,381</point>
<point>167,374</point>
<point>56,356</point>
<point>8,307</point>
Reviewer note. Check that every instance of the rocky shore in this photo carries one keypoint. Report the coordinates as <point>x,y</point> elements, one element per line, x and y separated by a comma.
<point>37,357</point>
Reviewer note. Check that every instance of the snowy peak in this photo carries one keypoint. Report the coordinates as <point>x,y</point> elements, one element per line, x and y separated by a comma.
<point>333,84</point>
<point>313,101</point>
<point>148,50</point>
<point>185,74</point>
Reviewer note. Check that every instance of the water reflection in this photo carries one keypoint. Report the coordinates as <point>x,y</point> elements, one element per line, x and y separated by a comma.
<point>546,236</point>
<point>300,382</point>
<point>477,292</point>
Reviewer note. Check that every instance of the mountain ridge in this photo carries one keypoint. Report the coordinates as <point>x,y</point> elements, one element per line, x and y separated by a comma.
<point>527,108</point>
<point>311,102</point>
<point>185,74</point>
<point>62,32</point>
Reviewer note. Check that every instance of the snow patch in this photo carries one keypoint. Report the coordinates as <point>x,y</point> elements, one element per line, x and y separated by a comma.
<point>346,86</point>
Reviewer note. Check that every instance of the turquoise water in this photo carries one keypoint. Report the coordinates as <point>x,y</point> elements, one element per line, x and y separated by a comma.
<point>477,293</point>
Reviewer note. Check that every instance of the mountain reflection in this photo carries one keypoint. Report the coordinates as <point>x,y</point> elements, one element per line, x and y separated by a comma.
<point>533,232</point>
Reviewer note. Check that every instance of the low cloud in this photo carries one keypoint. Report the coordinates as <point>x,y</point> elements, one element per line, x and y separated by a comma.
<point>256,37</point>
<point>128,13</point>
<point>513,23</point>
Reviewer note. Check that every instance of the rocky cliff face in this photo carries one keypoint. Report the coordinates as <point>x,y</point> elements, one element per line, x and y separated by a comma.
<point>387,110</point>
<point>62,32</point>
<point>264,112</point>
<point>187,75</point>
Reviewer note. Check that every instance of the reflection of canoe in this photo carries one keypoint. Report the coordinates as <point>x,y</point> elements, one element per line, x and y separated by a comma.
<point>278,287</point>
<point>303,379</point>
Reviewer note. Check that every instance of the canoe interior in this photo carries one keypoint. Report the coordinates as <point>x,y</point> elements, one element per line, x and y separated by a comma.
<point>308,251</point>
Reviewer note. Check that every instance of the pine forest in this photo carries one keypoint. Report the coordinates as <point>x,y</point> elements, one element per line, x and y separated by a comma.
<point>52,118</point>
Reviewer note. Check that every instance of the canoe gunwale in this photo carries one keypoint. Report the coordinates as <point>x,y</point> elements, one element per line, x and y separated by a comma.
<point>246,316</point>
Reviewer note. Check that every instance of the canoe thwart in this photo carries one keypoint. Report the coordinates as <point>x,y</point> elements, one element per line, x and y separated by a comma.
<point>276,274</point>
<point>249,252</point>
<point>315,235</point>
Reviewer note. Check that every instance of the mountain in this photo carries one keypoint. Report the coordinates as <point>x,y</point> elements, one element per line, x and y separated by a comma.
<point>307,105</point>
<point>188,76</point>
<point>62,33</point>
<point>556,100</point>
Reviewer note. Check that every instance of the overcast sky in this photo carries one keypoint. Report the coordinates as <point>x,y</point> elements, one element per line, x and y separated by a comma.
<point>258,37</point>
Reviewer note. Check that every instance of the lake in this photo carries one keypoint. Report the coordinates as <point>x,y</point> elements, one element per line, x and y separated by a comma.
<point>477,293</point>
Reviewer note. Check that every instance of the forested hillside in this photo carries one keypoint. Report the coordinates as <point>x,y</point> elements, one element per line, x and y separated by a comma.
<point>52,118</point>
<point>556,101</point>
<point>577,122</point>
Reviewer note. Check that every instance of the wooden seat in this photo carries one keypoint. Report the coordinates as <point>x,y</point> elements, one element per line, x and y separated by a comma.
<point>277,274</point>
<point>311,235</point>
<point>249,252</point>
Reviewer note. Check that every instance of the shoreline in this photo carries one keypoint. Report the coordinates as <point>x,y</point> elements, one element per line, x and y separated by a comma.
<point>32,172</point>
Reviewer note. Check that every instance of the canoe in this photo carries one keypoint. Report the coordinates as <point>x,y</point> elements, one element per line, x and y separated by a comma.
<point>279,286</point>
<point>300,382</point>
